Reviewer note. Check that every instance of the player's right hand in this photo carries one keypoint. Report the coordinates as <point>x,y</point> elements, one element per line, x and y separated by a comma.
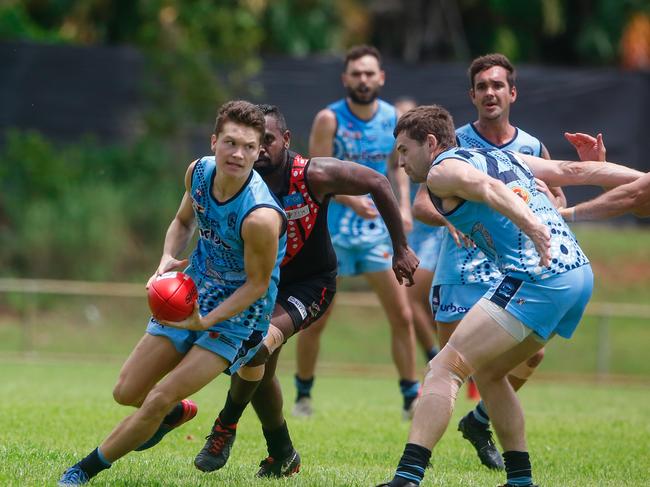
<point>588,148</point>
<point>405,263</point>
<point>541,237</point>
<point>167,263</point>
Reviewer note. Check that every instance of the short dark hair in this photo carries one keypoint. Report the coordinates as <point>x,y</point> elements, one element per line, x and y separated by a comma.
<point>243,113</point>
<point>357,52</point>
<point>428,119</point>
<point>274,112</point>
<point>489,61</point>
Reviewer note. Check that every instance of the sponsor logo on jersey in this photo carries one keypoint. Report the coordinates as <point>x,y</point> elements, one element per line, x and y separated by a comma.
<point>526,149</point>
<point>350,134</point>
<point>211,235</point>
<point>297,213</point>
<point>232,219</point>
<point>522,193</point>
<point>452,308</point>
<point>292,199</point>
<point>299,305</point>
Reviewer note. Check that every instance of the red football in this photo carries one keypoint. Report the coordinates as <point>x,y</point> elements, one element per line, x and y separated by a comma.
<point>172,296</point>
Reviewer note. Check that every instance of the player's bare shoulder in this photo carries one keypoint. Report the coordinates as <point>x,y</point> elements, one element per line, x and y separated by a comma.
<point>263,223</point>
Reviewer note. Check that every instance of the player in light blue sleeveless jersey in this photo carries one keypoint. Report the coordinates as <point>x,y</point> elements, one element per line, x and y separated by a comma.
<point>359,128</point>
<point>492,197</point>
<point>235,267</point>
<point>368,142</point>
<point>465,273</point>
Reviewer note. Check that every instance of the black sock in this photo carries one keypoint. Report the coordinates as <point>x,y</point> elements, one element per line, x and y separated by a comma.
<point>412,464</point>
<point>303,387</point>
<point>432,353</point>
<point>518,469</point>
<point>409,390</point>
<point>278,442</point>
<point>175,415</point>
<point>94,463</point>
<point>231,412</point>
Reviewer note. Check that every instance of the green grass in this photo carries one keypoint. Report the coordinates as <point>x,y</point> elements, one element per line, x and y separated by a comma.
<point>53,413</point>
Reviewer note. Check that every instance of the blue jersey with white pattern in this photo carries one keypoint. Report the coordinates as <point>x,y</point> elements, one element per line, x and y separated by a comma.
<point>463,265</point>
<point>496,235</point>
<point>217,263</point>
<point>522,142</point>
<point>367,142</point>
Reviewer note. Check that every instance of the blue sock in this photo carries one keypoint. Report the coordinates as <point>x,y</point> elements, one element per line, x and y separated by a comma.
<point>410,390</point>
<point>480,413</point>
<point>303,387</point>
<point>518,468</point>
<point>412,464</point>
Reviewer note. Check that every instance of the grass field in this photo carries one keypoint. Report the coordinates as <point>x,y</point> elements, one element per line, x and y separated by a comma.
<point>53,413</point>
<point>60,355</point>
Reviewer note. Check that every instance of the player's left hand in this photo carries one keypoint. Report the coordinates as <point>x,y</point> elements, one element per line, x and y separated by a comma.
<point>405,262</point>
<point>193,322</point>
<point>589,148</point>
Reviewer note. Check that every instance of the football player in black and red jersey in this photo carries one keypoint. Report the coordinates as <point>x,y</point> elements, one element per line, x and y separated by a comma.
<point>307,282</point>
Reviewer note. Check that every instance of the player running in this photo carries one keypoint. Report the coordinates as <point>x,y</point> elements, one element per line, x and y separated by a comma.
<point>236,267</point>
<point>307,282</point>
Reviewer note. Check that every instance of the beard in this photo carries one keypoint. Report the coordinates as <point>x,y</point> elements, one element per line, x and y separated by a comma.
<point>364,97</point>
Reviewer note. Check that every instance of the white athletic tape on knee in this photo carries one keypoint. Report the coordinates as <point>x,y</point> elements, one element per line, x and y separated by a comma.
<point>446,373</point>
<point>274,339</point>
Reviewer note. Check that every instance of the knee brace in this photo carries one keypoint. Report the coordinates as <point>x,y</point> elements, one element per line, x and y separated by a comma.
<point>446,373</point>
<point>525,369</point>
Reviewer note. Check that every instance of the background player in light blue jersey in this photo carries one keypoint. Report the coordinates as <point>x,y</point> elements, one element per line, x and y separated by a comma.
<point>359,128</point>
<point>425,242</point>
<point>491,196</point>
<point>465,273</point>
<point>236,268</point>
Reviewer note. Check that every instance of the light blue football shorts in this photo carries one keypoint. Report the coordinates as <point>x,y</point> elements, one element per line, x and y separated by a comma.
<point>551,306</point>
<point>450,302</point>
<point>357,260</point>
<point>425,242</point>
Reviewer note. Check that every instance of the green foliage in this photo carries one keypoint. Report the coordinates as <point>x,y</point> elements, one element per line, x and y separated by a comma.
<point>300,27</point>
<point>83,211</point>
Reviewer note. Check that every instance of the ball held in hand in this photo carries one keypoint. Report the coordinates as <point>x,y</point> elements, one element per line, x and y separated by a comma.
<point>172,296</point>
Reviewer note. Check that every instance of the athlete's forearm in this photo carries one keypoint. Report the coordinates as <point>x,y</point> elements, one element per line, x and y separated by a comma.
<point>628,198</point>
<point>384,198</point>
<point>237,302</point>
<point>594,173</point>
<point>424,210</point>
<point>177,237</point>
<point>500,198</point>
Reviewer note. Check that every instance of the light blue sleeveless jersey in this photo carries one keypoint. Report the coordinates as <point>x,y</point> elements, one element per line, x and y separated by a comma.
<point>470,265</point>
<point>217,264</point>
<point>498,237</point>
<point>367,142</point>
